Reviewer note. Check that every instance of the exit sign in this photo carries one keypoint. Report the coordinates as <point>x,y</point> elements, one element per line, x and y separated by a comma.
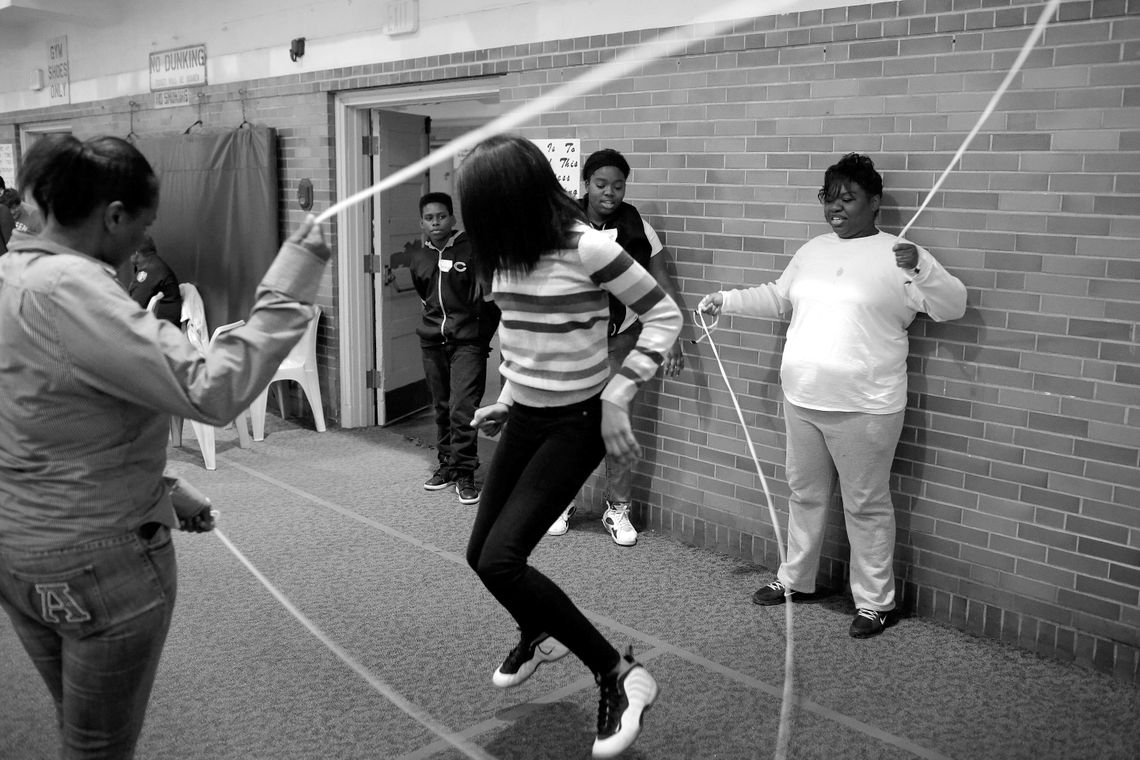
<point>401,16</point>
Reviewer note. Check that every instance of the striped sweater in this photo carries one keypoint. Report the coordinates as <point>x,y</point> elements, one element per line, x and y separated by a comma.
<point>553,329</point>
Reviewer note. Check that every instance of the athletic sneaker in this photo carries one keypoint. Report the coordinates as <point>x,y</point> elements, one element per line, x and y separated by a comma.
<point>868,623</point>
<point>773,593</point>
<point>465,487</point>
<point>562,524</point>
<point>525,658</point>
<point>621,707</point>
<point>440,480</point>
<point>616,520</point>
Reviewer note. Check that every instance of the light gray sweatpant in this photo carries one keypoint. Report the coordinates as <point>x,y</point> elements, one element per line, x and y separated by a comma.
<point>858,448</point>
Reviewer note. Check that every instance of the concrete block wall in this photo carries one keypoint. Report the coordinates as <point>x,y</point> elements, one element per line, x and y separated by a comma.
<point>1017,480</point>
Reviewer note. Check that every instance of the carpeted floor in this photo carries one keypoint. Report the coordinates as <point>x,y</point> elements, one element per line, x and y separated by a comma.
<point>340,524</point>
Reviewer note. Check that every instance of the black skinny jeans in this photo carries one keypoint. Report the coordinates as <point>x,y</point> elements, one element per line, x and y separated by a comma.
<point>544,457</point>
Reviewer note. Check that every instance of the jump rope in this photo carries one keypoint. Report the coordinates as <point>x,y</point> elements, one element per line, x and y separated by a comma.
<point>621,65</point>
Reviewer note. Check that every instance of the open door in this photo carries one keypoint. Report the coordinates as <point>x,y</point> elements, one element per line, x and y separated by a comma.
<point>399,139</point>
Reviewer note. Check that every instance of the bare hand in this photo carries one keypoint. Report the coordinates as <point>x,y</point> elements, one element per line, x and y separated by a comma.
<point>674,360</point>
<point>618,434</point>
<point>906,255</point>
<point>203,522</point>
<point>490,419</point>
<point>711,304</point>
<point>192,507</point>
<point>308,235</point>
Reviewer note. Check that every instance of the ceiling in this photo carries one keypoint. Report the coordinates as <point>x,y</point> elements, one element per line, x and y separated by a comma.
<point>23,13</point>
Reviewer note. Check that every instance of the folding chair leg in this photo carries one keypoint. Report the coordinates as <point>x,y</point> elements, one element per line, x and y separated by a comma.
<point>257,415</point>
<point>312,390</point>
<point>241,422</point>
<point>176,431</point>
<point>205,434</point>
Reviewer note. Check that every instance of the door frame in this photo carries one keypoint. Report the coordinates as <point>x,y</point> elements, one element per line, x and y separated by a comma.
<point>351,113</point>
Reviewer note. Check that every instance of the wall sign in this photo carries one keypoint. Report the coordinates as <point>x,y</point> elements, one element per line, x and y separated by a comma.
<point>8,163</point>
<point>184,67</point>
<point>172,98</point>
<point>401,16</point>
<point>565,159</point>
<point>59,73</point>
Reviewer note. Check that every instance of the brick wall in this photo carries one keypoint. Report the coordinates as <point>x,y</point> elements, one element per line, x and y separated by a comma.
<point>1017,481</point>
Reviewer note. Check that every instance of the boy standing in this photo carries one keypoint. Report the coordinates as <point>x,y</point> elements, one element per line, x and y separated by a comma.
<point>459,321</point>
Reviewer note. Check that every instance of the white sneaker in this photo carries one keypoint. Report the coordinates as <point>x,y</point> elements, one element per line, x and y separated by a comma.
<point>621,709</point>
<point>525,658</point>
<point>616,520</point>
<point>562,524</point>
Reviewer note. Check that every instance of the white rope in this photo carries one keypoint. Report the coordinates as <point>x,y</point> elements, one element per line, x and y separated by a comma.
<point>783,732</point>
<point>661,46</point>
<point>1034,35</point>
<point>467,748</point>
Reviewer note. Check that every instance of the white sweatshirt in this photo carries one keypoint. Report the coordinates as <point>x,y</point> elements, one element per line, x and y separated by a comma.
<point>851,305</point>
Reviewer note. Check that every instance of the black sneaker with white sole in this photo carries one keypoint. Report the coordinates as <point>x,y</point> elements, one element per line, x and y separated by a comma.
<point>440,479</point>
<point>773,593</point>
<point>466,490</point>
<point>868,623</point>
<point>621,707</point>
<point>525,658</point>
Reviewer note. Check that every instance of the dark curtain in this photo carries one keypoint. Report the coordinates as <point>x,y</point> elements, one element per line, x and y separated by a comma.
<point>217,213</point>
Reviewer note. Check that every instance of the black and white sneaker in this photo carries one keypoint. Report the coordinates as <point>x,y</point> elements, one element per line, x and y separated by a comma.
<point>868,623</point>
<point>525,658</point>
<point>440,479</point>
<point>621,707</point>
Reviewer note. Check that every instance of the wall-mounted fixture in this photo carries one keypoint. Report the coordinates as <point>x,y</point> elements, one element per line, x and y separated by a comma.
<point>296,49</point>
<point>36,80</point>
<point>305,194</point>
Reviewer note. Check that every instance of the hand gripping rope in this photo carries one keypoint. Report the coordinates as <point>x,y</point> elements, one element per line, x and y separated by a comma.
<point>621,65</point>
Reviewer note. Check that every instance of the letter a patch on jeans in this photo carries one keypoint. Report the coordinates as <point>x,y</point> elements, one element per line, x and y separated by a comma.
<point>56,598</point>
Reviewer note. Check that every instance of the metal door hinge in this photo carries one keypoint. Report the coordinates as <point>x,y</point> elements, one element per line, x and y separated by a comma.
<point>370,146</point>
<point>372,264</point>
<point>373,378</point>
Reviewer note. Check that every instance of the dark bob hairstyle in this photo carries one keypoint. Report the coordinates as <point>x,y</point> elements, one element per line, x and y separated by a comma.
<point>69,179</point>
<point>513,208</point>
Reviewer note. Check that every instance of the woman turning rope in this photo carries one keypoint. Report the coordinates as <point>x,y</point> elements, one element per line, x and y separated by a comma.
<point>552,277</point>
<point>88,380</point>
<point>852,294</point>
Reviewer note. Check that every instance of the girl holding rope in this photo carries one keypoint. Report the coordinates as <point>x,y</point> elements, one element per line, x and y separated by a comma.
<point>552,277</point>
<point>852,294</point>
<point>88,381</point>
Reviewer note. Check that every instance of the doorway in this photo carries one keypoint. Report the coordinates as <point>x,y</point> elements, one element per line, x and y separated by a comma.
<point>380,366</point>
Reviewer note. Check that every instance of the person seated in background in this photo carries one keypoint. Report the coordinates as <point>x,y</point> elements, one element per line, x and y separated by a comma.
<point>153,277</point>
<point>7,224</point>
<point>26,217</point>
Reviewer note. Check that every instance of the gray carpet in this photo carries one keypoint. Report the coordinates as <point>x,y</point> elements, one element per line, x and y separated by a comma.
<point>340,524</point>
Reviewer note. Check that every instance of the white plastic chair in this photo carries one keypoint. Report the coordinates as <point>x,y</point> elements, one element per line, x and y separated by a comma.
<point>300,366</point>
<point>194,328</point>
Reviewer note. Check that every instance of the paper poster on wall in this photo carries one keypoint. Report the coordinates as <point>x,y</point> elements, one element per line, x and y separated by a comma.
<point>564,158</point>
<point>8,163</point>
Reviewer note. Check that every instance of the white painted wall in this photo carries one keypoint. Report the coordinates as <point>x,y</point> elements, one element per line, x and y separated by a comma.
<point>249,39</point>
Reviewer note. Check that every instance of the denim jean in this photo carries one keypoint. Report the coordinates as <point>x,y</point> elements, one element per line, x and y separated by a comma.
<point>456,376</point>
<point>544,456</point>
<point>94,618</point>
<point>619,475</point>
<point>857,449</point>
